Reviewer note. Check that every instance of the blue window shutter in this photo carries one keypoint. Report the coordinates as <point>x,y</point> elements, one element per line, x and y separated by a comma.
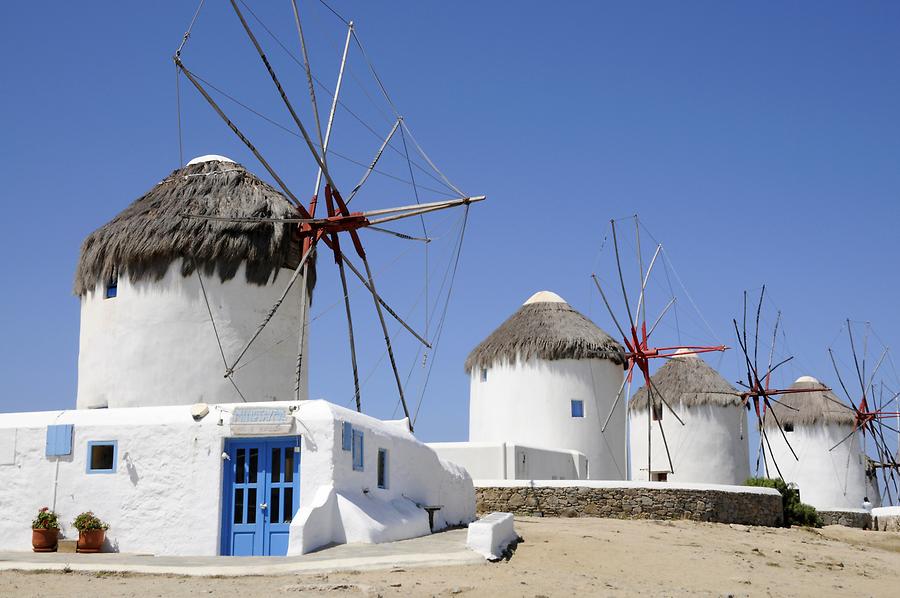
<point>347,439</point>
<point>59,440</point>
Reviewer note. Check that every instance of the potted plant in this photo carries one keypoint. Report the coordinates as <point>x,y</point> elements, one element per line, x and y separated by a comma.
<point>45,531</point>
<point>91,532</point>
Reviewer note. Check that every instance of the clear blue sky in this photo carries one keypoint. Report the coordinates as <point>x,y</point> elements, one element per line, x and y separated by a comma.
<point>759,141</point>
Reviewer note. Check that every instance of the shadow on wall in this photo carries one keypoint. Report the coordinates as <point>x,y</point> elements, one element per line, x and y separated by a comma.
<point>131,468</point>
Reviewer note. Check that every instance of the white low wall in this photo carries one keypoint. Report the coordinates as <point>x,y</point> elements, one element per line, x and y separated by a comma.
<point>886,519</point>
<point>489,460</point>
<point>623,485</point>
<point>491,535</point>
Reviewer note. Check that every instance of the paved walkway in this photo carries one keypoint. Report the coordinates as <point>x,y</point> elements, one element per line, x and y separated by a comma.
<point>444,548</point>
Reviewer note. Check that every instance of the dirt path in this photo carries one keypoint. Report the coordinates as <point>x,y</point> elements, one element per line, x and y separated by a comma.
<point>567,557</point>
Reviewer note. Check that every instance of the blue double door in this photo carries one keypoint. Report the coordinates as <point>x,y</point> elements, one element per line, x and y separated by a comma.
<point>260,496</point>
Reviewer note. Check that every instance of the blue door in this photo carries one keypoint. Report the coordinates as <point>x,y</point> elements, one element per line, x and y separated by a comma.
<point>260,495</point>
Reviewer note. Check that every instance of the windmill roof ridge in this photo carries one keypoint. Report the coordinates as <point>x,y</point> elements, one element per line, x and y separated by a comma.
<point>151,233</point>
<point>816,406</point>
<point>688,380</point>
<point>545,327</point>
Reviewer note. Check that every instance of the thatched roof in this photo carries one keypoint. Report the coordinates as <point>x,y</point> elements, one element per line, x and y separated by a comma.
<point>687,380</point>
<point>152,233</point>
<point>814,407</point>
<point>545,327</point>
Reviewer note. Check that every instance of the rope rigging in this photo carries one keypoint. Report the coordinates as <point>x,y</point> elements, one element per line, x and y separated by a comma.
<point>312,229</point>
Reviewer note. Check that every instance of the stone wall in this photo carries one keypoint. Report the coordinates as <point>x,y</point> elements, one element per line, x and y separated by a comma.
<point>859,519</point>
<point>633,503</point>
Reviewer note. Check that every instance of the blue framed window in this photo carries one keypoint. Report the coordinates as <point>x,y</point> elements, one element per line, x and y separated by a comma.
<point>59,440</point>
<point>112,287</point>
<point>577,408</point>
<point>357,450</point>
<point>382,468</point>
<point>102,456</point>
<point>347,436</point>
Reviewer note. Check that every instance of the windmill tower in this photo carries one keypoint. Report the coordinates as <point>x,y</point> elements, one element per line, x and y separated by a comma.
<point>165,298</point>
<point>831,468</point>
<point>637,336</point>
<point>711,447</point>
<point>546,378</point>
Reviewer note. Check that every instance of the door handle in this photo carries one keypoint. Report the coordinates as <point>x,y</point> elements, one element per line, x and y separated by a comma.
<point>263,506</point>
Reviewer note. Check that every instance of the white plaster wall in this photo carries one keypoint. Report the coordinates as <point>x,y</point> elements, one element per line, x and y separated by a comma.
<point>828,480</point>
<point>529,403</point>
<point>710,448</point>
<point>485,460</point>
<point>352,508</point>
<point>164,497</point>
<point>153,344</point>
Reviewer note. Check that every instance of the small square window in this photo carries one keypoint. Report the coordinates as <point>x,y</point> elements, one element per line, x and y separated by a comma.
<point>483,374</point>
<point>659,476</point>
<point>101,456</point>
<point>657,412</point>
<point>112,287</point>
<point>382,468</point>
<point>358,450</point>
<point>577,408</point>
<point>789,427</point>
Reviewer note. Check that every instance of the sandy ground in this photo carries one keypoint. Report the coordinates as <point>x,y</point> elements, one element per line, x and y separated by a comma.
<point>571,557</point>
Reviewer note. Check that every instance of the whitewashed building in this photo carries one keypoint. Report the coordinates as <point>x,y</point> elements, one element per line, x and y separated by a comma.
<point>172,455</point>
<point>831,475</point>
<point>541,386</point>
<point>710,448</point>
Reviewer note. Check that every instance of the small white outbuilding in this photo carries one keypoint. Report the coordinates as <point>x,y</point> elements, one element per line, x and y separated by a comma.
<point>832,475</point>
<point>541,386</point>
<point>242,479</point>
<point>711,446</point>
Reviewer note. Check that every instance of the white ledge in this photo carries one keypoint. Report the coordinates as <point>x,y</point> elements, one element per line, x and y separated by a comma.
<point>620,484</point>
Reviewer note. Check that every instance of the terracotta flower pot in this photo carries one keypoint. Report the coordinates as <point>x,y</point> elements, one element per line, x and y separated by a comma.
<point>44,540</point>
<point>90,540</point>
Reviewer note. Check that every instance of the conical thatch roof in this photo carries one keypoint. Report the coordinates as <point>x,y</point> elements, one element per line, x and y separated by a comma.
<point>152,233</point>
<point>545,327</point>
<point>816,407</point>
<point>687,380</point>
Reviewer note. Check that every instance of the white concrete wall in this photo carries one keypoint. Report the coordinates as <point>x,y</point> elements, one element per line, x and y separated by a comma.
<point>360,511</point>
<point>528,403</point>
<point>710,448</point>
<point>166,494</point>
<point>828,480</point>
<point>487,460</point>
<point>164,498</point>
<point>153,344</point>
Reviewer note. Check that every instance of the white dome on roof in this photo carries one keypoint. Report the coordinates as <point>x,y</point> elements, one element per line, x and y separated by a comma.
<point>809,379</point>
<point>210,158</point>
<point>544,297</point>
